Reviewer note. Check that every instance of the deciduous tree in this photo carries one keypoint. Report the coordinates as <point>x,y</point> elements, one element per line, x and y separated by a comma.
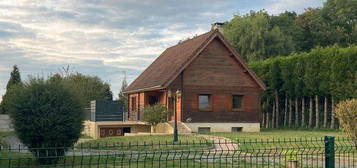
<point>155,114</point>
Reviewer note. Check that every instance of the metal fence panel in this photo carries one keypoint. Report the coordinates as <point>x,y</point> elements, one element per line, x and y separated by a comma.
<point>274,153</point>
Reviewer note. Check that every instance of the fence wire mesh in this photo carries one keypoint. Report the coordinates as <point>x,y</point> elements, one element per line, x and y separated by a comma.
<point>274,153</point>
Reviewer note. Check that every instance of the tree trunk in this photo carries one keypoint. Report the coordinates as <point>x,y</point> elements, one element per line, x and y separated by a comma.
<point>267,120</point>
<point>303,112</point>
<point>325,112</point>
<point>277,110</point>
<point>317,112</point>
<point>273,116</point>
<point>332,126</point>
<point>296,113</point>
<point>290,112</point>
<point>310,113</point>
<point>286,111</point>
<point>262,122</point>
<point>263,119</point>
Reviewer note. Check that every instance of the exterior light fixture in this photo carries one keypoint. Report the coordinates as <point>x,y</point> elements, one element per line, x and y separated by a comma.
<point>178,94</point>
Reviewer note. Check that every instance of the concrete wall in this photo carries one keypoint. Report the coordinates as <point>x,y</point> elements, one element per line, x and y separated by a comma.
<point>225,127</point>
<point>5,123</point>
<point>92,129</point>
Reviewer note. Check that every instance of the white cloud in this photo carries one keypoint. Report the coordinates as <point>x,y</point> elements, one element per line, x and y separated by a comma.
<point>278,6</point>
<point>104,37</point>
<point>4,69</point>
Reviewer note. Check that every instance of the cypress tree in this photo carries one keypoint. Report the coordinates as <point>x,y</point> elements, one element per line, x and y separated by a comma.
<point>313,78</point>
<point>123,97</point>
<point>15,80</point>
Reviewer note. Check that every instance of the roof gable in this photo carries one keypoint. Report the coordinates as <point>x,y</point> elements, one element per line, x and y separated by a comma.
<point>216,66</point>
<point>175,59</point>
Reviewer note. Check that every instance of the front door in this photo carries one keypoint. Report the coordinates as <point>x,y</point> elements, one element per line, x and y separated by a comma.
<point>153,100</point>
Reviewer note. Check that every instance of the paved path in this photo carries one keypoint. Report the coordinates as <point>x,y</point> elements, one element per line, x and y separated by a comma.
<point>13,142</point>
<point>221,143</point>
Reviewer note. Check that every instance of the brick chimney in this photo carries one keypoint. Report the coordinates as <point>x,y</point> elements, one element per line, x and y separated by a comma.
<point>218,26</point>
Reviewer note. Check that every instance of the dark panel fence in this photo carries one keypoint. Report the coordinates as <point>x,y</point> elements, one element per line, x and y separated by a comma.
<point>105,110</point>
<point>276,153</point>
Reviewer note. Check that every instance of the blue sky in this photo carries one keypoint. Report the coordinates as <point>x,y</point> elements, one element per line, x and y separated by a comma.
<point>109,37</point>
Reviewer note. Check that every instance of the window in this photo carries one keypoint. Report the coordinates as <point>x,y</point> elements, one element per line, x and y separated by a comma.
<point>237,101</point>
<point>237,129</point>
<point>133,103</point>
<point>204,102</point>
<point>126,129</point>
<point>204,130</point>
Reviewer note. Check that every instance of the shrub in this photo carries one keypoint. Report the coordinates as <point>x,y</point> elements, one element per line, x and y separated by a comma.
<point>155,114</point>
<point>346,112</point>
<point>46,114</point>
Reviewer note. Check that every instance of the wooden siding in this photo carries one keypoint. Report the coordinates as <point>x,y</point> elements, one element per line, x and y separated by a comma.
<point>215,67</point>
<point>215,72</point>
<point>136,114</point>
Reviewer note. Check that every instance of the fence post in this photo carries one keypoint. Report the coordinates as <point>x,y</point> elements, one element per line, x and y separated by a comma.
<point>329,151</point>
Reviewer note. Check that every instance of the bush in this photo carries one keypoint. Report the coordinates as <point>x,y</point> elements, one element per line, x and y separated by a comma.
<point>155,114</point>
<point>346,112</point>
<point>46,114</point>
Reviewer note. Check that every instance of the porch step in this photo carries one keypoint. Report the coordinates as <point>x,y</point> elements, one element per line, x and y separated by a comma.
<point>181,127</point>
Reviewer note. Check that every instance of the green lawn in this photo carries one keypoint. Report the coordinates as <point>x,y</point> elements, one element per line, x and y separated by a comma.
<point>281,139</point>
<point>140,151</point>
<point>147,142</point>
<point>83,136</point>
<point>131,162</point>
<point>281,134</point>
<point>5,134</point>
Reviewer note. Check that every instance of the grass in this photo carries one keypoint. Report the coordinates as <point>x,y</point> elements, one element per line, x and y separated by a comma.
<point>281,134</point>
<point>282,139</point>
<point>147,142</point>
<point>83,136</point>
<point>146,151</point>
<point>5,134</point>
<point>127,161</point>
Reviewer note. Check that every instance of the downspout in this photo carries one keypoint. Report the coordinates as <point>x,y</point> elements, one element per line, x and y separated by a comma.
<point>128,106</point>
<point>138,109</point>
<point>182,97</point>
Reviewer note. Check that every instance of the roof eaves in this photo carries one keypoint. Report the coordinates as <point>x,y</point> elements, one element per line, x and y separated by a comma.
<point>144,89</point>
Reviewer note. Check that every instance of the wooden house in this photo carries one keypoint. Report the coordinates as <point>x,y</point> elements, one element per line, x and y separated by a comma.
<point>219,93</point>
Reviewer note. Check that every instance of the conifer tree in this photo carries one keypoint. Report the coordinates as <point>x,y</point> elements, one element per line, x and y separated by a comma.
<point>123,97</point>
<point>15,80</point>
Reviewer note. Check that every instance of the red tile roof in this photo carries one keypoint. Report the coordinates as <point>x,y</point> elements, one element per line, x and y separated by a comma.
<point>172,60</point>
